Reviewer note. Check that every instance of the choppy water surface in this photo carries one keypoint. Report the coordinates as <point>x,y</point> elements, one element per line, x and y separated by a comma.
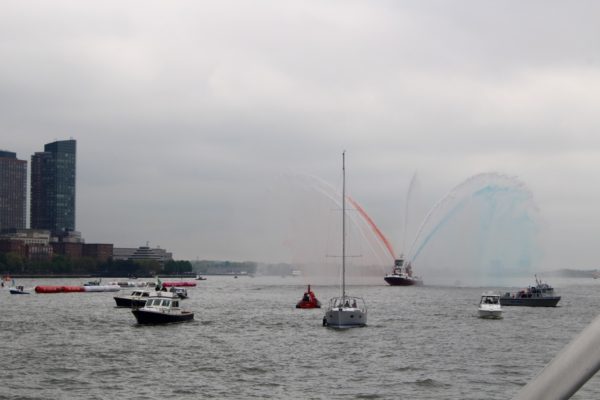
<point>248,341</point>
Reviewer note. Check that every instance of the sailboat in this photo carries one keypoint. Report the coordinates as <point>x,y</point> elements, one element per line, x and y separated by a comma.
<point>345,311</point>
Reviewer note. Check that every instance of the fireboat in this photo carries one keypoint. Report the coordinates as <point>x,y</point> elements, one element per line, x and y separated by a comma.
<point>402,274</point>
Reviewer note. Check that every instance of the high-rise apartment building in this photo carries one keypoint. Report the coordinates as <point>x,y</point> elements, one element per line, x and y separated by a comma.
<point>13,191</point>
<point>53,187</point>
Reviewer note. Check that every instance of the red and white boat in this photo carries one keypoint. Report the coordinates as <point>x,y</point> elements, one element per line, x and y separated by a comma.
<point>402,275</point>
<point>178,284</point>
<point>309,300</point>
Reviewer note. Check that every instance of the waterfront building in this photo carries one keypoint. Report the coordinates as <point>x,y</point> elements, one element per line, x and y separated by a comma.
<point>76,250</point>
<point>38,244</point>
<point>98,251</point>
<point>13,191</point>
<point>53,187</point>
<point>142,253</point>
<point>32,244</point>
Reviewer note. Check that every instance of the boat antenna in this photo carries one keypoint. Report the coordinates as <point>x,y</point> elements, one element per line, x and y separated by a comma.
<point>344,224</point>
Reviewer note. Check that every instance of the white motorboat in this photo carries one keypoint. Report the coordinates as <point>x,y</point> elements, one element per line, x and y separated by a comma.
<point>345,311</point>
<point>18,290</point>
<point>179,291</point>
<point>489,306</point>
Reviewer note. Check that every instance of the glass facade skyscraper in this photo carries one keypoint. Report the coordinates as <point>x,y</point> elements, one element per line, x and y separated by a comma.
<point>13,191</point>
<point>53,187</point>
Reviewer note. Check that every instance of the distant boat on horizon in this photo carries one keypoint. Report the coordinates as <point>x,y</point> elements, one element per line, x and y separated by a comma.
<point>540,295</point>
<point>402,274</point>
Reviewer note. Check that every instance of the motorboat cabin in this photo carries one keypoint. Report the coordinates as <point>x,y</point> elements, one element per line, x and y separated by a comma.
<point>138,298</point>
<point>161,309</point>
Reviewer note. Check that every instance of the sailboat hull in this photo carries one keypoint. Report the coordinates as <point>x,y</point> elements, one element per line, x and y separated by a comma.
<point>342,318</point>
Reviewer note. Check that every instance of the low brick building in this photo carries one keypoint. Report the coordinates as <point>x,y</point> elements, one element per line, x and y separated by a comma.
<point>98,251</point>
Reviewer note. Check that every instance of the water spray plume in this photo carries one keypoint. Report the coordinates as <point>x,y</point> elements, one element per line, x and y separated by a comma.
<point>311,200</point>
<point>374,227</point>
<point>331,193</point>
<point>411,188</point>
<point>485,226</point>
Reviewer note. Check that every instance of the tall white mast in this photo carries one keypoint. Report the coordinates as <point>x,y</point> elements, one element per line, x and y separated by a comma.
<point>344,223</point>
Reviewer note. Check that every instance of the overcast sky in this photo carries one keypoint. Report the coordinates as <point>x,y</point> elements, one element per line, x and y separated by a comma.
<point>188,115</point>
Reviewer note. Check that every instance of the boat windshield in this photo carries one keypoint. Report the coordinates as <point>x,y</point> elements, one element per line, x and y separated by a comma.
<point>489,300</point>
<point>158,303</point>
<point>166,303</point>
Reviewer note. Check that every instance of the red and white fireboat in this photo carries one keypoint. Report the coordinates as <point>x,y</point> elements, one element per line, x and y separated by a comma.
<point>309,300</point>
<point>402,275</point>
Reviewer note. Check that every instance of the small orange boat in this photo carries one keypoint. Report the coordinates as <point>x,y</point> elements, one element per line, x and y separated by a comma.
<point>309,300</point>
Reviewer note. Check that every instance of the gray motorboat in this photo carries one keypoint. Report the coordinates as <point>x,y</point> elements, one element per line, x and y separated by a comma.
<point>533,296</point>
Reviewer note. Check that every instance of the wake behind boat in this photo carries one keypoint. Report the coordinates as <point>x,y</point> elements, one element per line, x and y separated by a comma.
<point>345,311</point>
<point>402,275</point>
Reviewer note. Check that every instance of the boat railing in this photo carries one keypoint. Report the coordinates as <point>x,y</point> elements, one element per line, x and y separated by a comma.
<point>348,302</point>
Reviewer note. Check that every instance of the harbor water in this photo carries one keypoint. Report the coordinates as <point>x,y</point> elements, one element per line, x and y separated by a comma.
<point>249,341</point>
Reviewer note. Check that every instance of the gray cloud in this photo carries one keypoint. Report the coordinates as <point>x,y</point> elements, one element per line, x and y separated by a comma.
<point>187,113</point>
